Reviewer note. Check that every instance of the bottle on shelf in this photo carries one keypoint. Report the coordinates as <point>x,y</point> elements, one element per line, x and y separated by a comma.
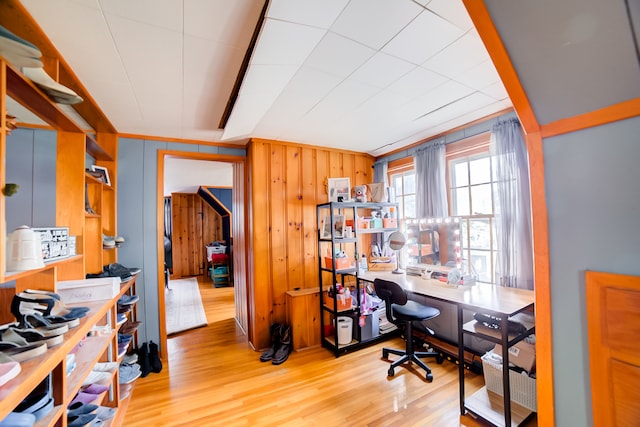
<point>363,263</point>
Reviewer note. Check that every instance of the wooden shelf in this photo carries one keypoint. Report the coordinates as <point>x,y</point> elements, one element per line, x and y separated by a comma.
<point>490,406</point>
<point>26,93</point>
<point>95,150</point>
<point>15,275</point>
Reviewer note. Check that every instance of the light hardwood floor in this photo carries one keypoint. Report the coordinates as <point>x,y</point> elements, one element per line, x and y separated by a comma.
<point>213,378</point>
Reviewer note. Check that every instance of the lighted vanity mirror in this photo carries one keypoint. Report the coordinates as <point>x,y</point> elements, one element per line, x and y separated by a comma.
<point>433,241</point>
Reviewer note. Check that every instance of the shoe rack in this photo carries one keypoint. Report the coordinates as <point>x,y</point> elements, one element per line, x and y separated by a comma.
<point>89,348</point>
<point>76,144</point>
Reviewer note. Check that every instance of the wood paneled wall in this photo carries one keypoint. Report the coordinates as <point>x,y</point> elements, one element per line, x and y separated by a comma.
<point>195,224</point>
<point>286,182</point>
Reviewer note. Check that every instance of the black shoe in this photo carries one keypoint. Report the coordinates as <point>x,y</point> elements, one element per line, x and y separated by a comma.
<point>144,361</point>
<point>275,342</point>
<point>282,353</point>
<point>116,269</point>
<point>154,358</point>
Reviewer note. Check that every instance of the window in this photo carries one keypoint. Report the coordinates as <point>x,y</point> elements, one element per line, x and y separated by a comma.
<point>470,183</point>
<point>402,177</point>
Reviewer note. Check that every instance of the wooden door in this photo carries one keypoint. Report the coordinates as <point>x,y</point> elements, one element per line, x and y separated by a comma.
<point>613,316</point>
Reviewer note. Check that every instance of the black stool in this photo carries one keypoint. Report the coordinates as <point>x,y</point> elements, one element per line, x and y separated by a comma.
<point>402,312</point>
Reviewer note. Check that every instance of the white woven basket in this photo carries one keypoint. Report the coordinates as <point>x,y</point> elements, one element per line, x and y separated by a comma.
<point>523,387</point>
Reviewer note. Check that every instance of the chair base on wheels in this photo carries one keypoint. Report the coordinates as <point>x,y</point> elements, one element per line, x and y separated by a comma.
<point>408,358</point>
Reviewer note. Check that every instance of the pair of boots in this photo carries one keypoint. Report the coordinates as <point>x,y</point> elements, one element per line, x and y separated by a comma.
<point>149,359</point>
<point>280,345</point>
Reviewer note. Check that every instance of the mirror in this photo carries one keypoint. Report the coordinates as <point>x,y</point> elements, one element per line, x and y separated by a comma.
<point>434,241</point>
<point>397,241</point>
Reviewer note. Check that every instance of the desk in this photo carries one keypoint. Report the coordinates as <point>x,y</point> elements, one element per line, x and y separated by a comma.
<point>490,299</point>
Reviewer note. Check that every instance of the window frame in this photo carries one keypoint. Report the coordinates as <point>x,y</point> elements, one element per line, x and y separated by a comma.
<point>478,145</point>
<point>396,167</point>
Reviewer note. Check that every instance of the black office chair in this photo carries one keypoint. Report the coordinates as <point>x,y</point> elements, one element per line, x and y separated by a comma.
<point>402,312</point>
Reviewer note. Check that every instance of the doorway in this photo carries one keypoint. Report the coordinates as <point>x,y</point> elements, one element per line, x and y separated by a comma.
<point>200,170</point>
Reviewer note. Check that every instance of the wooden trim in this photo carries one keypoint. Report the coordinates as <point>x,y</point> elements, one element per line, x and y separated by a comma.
<point>180,140</point>
<point>469,146</point>
<point>544,337</point>
<point>621,111</point>
<point>401,165</point>
<point>3,166</point>
<point>448,132</point>
<point>544,354</point>
<point>318,147</point>
<point>500,58</point>
<point>162,318</point>
<point>162,154</point>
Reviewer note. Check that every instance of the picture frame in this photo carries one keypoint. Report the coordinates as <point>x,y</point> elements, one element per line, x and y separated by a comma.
<point>339,189</point>
<point>104,174</point>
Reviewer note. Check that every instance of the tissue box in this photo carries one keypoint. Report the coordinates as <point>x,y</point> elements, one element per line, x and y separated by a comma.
<point>74,291</point>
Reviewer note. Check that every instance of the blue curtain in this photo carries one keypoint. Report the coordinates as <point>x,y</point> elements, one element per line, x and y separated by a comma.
<point>431,182</point>
<point>380,172</point>
<point>512,197</point>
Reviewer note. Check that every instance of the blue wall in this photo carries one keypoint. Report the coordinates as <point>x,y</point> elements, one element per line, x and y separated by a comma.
<point>593,202</point>
<point>31,163</point>
<point>137,183</point>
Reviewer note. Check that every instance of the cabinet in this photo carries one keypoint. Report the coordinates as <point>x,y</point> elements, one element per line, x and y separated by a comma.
<point>499,410</point>
<point>346,230</point>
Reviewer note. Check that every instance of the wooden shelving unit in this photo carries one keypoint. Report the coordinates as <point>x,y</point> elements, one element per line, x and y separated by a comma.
<point>74,146</point>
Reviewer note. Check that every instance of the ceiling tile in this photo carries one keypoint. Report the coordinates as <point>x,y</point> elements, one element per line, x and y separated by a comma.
<point>460,56</point>
<point>433,100</point>
<point>307,88</point>
<point>343,99</point>
<point>314,13</point>
<point>384,19</point>
<point>216,20</point>
<point>496,91</point>
<point>480,76</point>
<point>159,76</point>
<point>260,88</point>
<point>158,13</point>
<point>422,38</point>
<point>417,82</point>
<point>452,11</point>
<point>338,56</point>
<point>283,43</point>
<point>381,70</point>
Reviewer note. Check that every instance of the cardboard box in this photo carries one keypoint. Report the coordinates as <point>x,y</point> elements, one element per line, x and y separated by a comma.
<point>521,354</point>
<point>74,291</point>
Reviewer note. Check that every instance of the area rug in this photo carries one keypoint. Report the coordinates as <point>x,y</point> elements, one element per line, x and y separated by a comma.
<point>183,305</point>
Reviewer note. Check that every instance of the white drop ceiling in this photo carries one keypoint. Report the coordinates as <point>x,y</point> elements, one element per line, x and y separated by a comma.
<point>363,75</point>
